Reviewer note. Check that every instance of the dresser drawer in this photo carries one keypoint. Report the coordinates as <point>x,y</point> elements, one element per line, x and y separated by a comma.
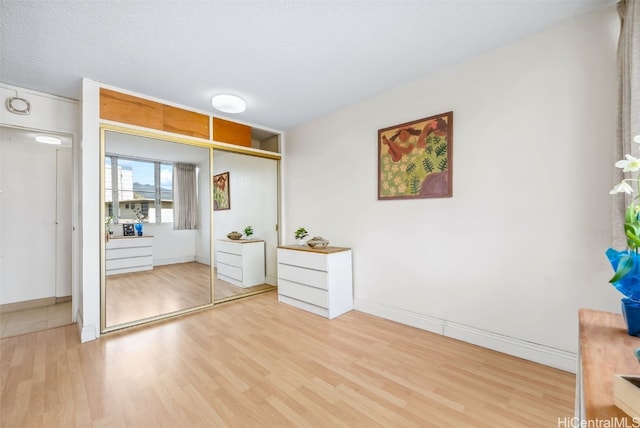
<point>121,253</point>
<point>230,259</point>
<point>312,295</point>
<point>314,278</point>
<point>130,262</point>
<point>229,247</point>
<point>323,312</point>
<point>303,258</point>
<point>129,242</point>
<point>230,271</point>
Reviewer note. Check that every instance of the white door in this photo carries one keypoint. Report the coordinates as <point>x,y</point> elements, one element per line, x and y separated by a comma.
<point>35,185</point>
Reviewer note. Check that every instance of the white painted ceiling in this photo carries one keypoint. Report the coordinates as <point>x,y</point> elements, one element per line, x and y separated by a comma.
<point>292,61</point>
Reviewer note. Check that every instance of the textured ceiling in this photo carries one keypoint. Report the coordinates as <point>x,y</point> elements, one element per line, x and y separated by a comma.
<point>292,61</point>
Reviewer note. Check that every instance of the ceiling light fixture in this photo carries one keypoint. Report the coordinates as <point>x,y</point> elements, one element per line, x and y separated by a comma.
<point>228,103</point>
<point>48,140</point>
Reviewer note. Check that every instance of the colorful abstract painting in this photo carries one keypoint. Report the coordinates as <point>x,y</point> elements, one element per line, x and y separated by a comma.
<point>415,159</point>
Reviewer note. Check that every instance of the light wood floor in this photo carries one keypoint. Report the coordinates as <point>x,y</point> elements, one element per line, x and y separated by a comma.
<point>164,289</point>
<point>260,363</point>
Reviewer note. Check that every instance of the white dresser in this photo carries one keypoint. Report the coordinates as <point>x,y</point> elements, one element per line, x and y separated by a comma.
<point>128,254</point>
<point>318,280</point>
<point>241,262</point>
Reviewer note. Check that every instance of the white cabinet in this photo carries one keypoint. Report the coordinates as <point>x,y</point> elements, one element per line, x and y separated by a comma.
<point>241,262</point>
<point>129,254</point>
<point>318,280</point>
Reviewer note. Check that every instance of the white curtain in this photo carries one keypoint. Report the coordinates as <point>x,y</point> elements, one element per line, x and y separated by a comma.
<point>185,197</point>
<point>628,105</point>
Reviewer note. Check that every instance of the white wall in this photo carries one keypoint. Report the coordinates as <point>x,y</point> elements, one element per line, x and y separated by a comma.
<point>508,260</point>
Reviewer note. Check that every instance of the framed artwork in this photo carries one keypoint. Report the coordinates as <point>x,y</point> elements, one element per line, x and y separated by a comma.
<point>127,229</point>
<point>221,195</point>
<point>415,159</point>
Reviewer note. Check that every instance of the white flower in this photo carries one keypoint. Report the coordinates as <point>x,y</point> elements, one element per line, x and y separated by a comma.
<point>623,186</point>
<point>631,164</point>
<point>637,139</point>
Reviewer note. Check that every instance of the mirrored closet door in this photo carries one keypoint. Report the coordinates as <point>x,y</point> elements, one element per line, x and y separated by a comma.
<point>245,201</point>
<point>157,212</point>
<point>169,205</point>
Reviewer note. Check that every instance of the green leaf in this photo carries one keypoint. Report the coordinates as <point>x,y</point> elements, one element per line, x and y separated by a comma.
<point>624,267</point>
<point>629,214</point>
<point>633,234</point>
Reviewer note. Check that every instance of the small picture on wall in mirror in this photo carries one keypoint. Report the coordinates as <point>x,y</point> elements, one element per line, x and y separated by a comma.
<point>127,229</point>
<point>221,194</point>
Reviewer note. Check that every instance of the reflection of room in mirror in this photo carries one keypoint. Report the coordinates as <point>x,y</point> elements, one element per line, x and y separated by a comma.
<point>255,198</point>
<point>178,274</point>
<point>166,186</point>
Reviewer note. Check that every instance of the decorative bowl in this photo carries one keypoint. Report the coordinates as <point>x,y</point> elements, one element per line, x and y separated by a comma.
<point>317,241</point>
<point>234,235</point>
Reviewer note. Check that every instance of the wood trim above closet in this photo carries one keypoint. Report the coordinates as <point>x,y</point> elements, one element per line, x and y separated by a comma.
<point>125,108</point>
<point>226,131</point>
<point>186,122</point>
<point>132,110</point>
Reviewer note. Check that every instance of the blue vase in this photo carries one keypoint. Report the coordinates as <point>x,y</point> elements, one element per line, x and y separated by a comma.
<point>631,315</point>
<point>138,227</point>
<point>629,284</point>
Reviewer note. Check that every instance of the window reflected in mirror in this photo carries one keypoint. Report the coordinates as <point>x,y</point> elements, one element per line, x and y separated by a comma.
<point>142,188</point>
<point>157,251</point>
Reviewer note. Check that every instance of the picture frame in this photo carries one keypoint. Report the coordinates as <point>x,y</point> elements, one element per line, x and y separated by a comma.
<point>415,159</point>
<point>221,192</point>
<point>128,230</point>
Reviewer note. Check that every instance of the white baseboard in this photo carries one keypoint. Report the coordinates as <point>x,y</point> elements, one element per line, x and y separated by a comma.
<point>538,353</point>
<point>173,260</point>
<point>553,357</point>
<point>420,321</point>
<point>86,333</point>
